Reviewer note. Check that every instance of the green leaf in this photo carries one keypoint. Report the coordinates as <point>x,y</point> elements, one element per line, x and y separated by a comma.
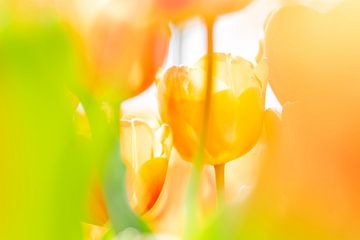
<point>42,170</point>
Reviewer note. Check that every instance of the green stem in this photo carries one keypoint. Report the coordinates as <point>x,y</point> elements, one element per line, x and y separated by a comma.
<point>199,161</point>
<point>193,194</point>
<point>209,79</point>
<point>116,123</point>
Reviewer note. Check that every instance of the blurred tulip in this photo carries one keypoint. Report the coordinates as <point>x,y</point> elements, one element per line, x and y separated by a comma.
<point>320,49</point>
<point>318,144</point>
<point>124,56</point>
<point>123,41</point>
<point>308,184</point>
<point>182,9</point>
<point>145,148</point>
<point>236,110</point>
<point>321,5</point>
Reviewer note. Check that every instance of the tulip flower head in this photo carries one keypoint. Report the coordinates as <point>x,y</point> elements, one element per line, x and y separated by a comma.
<point>125,54</point>
<point>182,9</point>
<point>124,44</point>
<point>145,148</point>
<point>321,49</point>
<point>236,109</point>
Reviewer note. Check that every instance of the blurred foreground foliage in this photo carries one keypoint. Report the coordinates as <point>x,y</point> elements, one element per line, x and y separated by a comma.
<point>43,170</point>
<point>45,166</point>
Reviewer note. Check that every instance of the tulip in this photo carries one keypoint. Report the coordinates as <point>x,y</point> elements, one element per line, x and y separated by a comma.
<point>153,169</point>
<point>122,51</point>
<point>178,10</point>
<point>123,42</point>
<point>145,149</point>
<point>321,48</point>
<point>321,5</point>
<point>308,182</point>
<point>182,9</point>
<point>236,111</point>
<point>124,55</point>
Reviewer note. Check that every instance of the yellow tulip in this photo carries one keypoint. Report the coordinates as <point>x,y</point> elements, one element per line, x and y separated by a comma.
<point>236,110</point>
<point>145,148</point>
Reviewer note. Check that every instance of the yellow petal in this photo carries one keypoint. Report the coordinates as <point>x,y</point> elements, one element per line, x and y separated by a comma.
<point>136,143</point>
<point>235,124</point>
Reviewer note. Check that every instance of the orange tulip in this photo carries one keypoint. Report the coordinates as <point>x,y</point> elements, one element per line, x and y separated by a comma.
<point>310,183</point>
<point>145,148</point>
<point>125,55</point>
<point>320,49</point>
<point>182,9</point>
<point>236,110</point>
<point>123,41</point>
<point>321,5</point>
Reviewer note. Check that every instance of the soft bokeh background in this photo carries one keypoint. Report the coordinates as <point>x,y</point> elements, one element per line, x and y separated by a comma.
<point>45,166</point>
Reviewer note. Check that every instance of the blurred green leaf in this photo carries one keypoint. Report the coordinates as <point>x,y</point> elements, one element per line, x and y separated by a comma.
<point>106,154</point>
<point>42,169</point>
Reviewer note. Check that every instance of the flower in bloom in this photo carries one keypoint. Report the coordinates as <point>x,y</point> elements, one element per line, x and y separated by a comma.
<point>145,149</point>
<point>236,109</point>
